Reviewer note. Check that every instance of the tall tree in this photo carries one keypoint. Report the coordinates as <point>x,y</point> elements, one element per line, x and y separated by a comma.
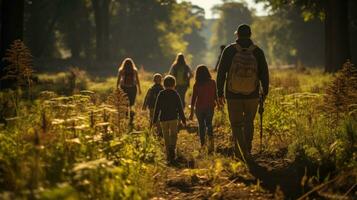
<point>41,19</point>
<point>335,14</point>
<point>231,15</point>
<point>12,18</point>
<point>101,15</point>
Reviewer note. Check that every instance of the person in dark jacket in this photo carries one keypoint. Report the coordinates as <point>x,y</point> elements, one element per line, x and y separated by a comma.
<point>242,108</point>
<point>219,56</point>
<point>168,107</point>
<point>150,99</point>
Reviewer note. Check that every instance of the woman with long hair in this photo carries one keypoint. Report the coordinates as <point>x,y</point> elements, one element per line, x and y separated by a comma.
<point>128,81</point>
<point>182,72</point>
<point>203,101</point>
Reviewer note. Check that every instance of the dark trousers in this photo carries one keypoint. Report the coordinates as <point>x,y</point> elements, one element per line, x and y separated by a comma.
<point>131,93</point>
<point>181,90</point>
<point>205,124</point>
<point>241,115</point>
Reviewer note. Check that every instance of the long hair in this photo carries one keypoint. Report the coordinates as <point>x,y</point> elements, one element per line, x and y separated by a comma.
<point>179,60</point>
<point>202,74</point>
<point>127,66</point>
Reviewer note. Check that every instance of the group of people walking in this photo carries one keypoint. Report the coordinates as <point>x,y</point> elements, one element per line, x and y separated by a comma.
<point>242,71</point>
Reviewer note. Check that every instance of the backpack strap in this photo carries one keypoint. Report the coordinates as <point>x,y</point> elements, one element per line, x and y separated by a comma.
<point>251,48</point>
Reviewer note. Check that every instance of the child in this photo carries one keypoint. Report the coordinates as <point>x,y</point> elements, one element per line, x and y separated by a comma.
<point>150,98</point>
<point>204,97</point>
<point>169,107</point>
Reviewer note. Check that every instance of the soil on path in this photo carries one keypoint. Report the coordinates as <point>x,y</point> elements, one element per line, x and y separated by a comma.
<point>221,176</point>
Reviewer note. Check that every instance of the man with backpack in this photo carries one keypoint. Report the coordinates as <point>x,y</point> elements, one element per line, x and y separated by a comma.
<point>244,72</point>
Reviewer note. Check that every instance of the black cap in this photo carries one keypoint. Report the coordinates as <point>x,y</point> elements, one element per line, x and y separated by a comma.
<point>243,31</point>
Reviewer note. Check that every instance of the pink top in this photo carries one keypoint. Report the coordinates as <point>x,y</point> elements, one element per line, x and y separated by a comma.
<point>204,95</point>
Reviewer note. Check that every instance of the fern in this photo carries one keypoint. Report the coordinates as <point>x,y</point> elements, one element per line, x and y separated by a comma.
<point>19,68</point>
<point>341,94</point>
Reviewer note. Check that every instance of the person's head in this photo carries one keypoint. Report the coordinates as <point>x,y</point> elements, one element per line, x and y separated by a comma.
<point>169,82</point>
<point>180,59</point>
<point>157,78</point>
<point>222,47</point>
<point>243,31</point>
<point>127,65</point>
<point>202,74</point>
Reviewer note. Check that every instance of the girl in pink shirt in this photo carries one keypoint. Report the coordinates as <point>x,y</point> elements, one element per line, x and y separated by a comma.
<point>203,102</point>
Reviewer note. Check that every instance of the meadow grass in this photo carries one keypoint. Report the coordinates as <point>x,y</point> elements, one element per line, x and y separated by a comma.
<point>68,144</point>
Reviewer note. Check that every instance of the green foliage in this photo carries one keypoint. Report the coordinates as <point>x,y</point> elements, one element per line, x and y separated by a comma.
<point>285,38</point>
<point>231,15</point>
<point>299,120</point>
<point>71,148</point>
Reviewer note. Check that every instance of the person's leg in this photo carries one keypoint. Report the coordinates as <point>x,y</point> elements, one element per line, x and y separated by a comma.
<point>201,127</point>
<point>157,125</point>
<point>181,90</point>
<point>173,138</point>
<point>131,92</point>
<point>184,90</point>
<point>250,110</point>
<point>235,111</point>
<point>166,132</point>
<point>209,118</point>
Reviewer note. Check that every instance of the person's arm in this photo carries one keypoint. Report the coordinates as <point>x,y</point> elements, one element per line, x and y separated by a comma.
<point>118,79</point>
<point>218,59</point>
<point>138,81</point>
<point>172,71</point>
<point>263,72</point>
<point>157,110</point>
<point>223,67</point>
<point>180,110</point>
<point>193,101</point>
<point>147,96</point>
<point>215,91</point>
<point>190,73</point>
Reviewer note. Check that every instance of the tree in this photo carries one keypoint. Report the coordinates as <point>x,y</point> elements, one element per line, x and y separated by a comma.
<point>231,14</point>
<point>335,14</point>
<point>288,39</point>
<point>102,17</point>
<point>12,18</point>
<point>41,20</point>
<point>196,42</point>
<point>77,34</point>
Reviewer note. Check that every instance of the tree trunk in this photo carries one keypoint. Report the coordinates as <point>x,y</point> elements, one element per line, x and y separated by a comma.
<point>101,14</point>
<point>12,17</point>
<point>337,35</point>
<point>353,30</point>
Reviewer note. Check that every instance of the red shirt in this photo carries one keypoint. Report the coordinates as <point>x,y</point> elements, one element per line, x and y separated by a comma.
<point>204,95</point>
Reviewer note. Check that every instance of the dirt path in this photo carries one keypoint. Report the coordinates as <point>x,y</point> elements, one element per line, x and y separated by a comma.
<point>202,176</point>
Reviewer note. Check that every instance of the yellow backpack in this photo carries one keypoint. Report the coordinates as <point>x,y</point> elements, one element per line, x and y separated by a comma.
<point>243,73</point>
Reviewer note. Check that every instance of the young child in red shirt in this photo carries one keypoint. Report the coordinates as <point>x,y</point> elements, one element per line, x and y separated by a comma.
<point>203,102</point>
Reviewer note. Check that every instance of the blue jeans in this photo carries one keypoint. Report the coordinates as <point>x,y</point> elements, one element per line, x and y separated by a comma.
<point>204,118</point>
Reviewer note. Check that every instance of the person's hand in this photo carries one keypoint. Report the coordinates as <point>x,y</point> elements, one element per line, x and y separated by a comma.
<point>221,101</point>
<point>184,124</point>
<point>191,116</point>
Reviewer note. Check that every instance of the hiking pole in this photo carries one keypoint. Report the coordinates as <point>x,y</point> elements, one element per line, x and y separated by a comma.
<point>261,111</point>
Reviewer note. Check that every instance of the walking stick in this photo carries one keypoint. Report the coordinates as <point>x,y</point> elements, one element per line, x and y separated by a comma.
<point>261,111</point>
